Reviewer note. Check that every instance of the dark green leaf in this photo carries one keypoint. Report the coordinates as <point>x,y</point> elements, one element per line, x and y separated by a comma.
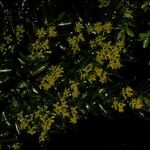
<point>61,16</point>
<point>38,69</point>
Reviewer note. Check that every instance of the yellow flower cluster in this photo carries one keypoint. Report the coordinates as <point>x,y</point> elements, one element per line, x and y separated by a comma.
<point>40,120</point>
<point>87,73</point>
<point>39,49</point>
<point>51,31</point>
<point>136,103</point>
<point>128,95</point>
<point>74,115</point>
<point>98,42</point>
<point>98,27</point>
<point>107,27</point>
<point>119,106</point>
<point>75,41</point>
<point>127,92</point>
<point>74,89</point>
<point>101,74</point>
<point>50,79</point>
<point>41,33</point>
<point>91,73</point>
<point>78,27</point>
<point>19,32</point>
<point>61,108</point>
<point>111,54</point>
<point>41,45</point>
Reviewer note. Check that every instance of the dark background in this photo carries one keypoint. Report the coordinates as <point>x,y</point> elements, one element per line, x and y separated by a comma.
<point>100,133</point>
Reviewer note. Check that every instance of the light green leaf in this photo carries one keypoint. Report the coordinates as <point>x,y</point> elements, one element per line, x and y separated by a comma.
<point>143,36</point>
<point>147,101</point>
<point>146,43</point>
<point>120,35</point>
<point>129,32</point>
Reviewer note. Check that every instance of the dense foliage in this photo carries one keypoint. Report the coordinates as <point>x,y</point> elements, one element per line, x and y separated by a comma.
<point>61,61</point>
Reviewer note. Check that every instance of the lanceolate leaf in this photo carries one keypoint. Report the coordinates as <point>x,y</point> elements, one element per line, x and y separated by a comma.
<point>121,35</point>
<point>129,32</point>
<point>39,68</point>
<point>146,43</point>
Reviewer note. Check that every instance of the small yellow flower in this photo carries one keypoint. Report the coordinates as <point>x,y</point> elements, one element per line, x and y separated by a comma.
<point>119,106</point>
<point>86,71</point>
<point>107,27</point>
<point>127,92</point>
<point>52,31</point>
<point>98,27</point>
<point>40,33</point>
<point>19,32</point>
<point>39,49</point>
<point>136,103</point>
<point>101,74</point>
<point>91,77</point>
<point>50,79</point>
<point>78,27</point>
<point>40,121</point>
<point>61,108</point>
<point>74,115</point>
<point>66,93</point>
<point>74,89</point>
<point>74,44</point>
<point>110,54</point>
<point>32,130</point>
<point>75,41</point>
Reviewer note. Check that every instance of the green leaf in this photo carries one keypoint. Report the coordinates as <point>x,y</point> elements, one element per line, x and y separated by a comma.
<point>120,35</point>
<point>22,84</point>
<point>61,16</point>
<point>146,43</point>
<point>143,36</point>
<point>104,3</point>
<point>147,101</point>
<point>129,32</point>
<point>40,68</point>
